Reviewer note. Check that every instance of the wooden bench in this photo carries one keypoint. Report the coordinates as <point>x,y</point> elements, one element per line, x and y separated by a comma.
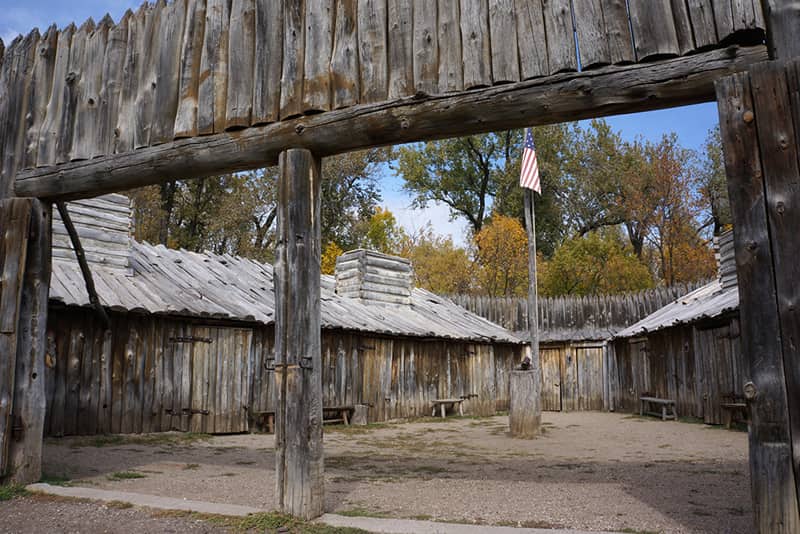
<point>732,405</point>
<point>265,419</point>
<point>337,414</point>
<point>665,404</point>
<point>442,404</point>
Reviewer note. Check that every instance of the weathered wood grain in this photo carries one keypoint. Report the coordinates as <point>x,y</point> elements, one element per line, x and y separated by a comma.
<point>373,54</point>
<point>561,51</point>
<point>15,216</point>
<point>319,19</point>
<point>344,57</point>
<point>17,74</point>
<point>189,77</point>
<point>773,485</point>
<point>113,64</point>
<point>652,37</point>
<point>241,58</point>
<point>425,46</point>
<point>476,48</point>
<point>294,43</point>
<point>776,99</point>
<point>169,68</point>
<point>704,29</point>
<point>298,358</point>
<point>400,37</point>
<point>268,61</point>
<point>683,26</point>
<point>85,138</point>
<point>782,20</point>
<point>149,49</point>
<point>212,89</point>
<point>46,154</point>
<point>525,409</point>
<point>451,67</point>
<point>593,44</point>
<point>561,97</point>
<point>618,31</point>
<point>723,18</point>
<point>505,56</point>
<point>127,98</point>
<point>531,39</point>
<point>40,89</point>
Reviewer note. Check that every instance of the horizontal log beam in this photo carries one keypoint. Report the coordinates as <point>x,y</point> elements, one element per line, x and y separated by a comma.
<point>545,100</point>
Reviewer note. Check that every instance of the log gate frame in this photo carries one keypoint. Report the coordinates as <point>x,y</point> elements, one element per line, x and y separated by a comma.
<point>192,88</point>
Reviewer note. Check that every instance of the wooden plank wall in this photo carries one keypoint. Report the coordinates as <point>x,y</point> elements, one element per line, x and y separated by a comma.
<point>139,379</point>
<point>197,67</point>
<point>695,365</point>
<point>146,374</point>
<point>574,318</point>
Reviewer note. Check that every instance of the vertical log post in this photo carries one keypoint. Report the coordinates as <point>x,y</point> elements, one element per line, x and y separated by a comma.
<point>298,356</point>
<point>525,410</point>
<point>760,141</point>
<point>25,447</point>
<point>24,290</point>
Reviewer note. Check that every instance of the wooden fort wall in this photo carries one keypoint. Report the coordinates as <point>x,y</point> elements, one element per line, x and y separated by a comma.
<point>697,365</point>
<point>193,68</point>
<point>151,373</point>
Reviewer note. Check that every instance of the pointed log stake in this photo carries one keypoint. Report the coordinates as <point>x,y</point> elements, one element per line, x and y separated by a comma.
<point>87,273</point>
<point>298,353</point>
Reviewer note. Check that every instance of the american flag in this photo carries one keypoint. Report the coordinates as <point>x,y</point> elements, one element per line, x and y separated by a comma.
<point>529,175</point>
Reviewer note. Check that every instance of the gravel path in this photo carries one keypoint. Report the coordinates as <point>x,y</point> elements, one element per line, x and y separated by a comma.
<point>594,471</point>
<point>38,514</point>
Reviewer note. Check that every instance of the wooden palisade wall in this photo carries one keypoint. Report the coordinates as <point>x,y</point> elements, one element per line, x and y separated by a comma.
<point>575,317</point>
<point>190,68</point>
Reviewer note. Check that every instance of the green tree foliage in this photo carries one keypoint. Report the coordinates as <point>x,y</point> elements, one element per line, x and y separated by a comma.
<point>381,232</point>
<point>236,213</point>
<point>598,263</point>
<point>712,184</point>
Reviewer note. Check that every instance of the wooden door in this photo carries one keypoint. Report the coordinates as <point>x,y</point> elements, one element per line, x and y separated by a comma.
<point>210,374</point>
<point>589,364</point>
<point>569,380</point>
<point>550,360</point>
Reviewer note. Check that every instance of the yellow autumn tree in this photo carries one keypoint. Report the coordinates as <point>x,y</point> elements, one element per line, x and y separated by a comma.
<point>329,255</point>
<point>502,254</point>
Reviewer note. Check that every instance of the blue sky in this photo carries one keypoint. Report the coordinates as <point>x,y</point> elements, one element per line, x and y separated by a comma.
<point>691,123</point>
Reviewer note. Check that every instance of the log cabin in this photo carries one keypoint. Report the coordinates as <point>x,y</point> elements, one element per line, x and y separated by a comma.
<point>191,341</point>
<point>688,351</point>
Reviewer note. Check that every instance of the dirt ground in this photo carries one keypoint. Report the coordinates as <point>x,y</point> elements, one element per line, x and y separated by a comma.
<point>595,471</point>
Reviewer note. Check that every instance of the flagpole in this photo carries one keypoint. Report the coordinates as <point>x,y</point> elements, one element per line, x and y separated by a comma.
<point>533,304</point>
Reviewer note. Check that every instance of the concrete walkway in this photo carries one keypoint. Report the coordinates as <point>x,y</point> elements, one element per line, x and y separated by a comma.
<point>371,524</point>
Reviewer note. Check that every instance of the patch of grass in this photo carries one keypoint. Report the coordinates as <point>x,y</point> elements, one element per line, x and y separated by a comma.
<point>55,480</point>
<point>353,430</point>
<point>125,475</point>
<point>361,512</point>
<point>12,491</point>
<point>120,505</point>
<point>164,438</point>
<point>189,467</point>
<point>261,522</point>
<point>246,462</point>
<point>422,517</point>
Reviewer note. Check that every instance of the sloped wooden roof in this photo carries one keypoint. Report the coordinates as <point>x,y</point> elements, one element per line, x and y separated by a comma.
<point>184,283</point>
